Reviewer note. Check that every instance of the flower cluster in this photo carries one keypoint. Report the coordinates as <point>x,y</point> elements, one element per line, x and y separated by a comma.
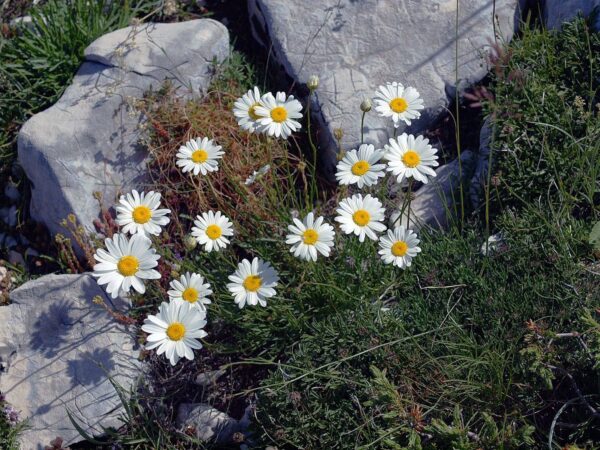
<point>276,115</point>
<point>179,325</point>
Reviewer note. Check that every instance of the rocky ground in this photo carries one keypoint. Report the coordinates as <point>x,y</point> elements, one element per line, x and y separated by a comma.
<point>58,351</point>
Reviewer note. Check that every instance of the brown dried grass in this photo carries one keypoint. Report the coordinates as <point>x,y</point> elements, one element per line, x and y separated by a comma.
<point>251,207</point>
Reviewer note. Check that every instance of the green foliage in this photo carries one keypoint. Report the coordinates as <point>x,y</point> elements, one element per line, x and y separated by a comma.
<point>547,118</point>
<point>38,63</point>
<point>594,238</point>
<point>454,339</point>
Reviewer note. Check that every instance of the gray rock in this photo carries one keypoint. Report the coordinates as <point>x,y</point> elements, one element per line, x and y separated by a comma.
<point>56,350</point>
<point>556,12</point>
<point>9,216</point>
<point>12,192</point>
<point>16,258</point>
<point>90,139</point>
<point>356,45</point>
<point>207,379</point>
<point>207,423</point>
<point>436,202</point>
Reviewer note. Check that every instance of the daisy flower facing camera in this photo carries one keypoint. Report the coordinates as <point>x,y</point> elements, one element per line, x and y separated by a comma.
<point>253,283</point>
<point>310,237</point>
<point>192,289</point>
<point>175,330</point>
<point>199,156</point>
<point>399,247</point>
<point>360,167</point>
<point>400,103</point>
<point>126,263</point>
<point>139,213</point>
<point>361,216</point>
<point>211,230</point>
<point>411,157</point>
<point>278,115</point>
<point>244,109</point>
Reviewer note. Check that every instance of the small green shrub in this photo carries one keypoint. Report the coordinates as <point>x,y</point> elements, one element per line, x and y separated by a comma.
<point>546,117</point>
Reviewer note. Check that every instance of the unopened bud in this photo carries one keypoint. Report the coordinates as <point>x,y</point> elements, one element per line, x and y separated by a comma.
<point>338,133</point>
<point>313,82</point>
<point>190,242</point>
<point>366,105</point>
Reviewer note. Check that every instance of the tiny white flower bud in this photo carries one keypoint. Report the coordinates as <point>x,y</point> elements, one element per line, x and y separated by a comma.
<point>313,82</point>
<point>366,105</point>
<point>190,242</point>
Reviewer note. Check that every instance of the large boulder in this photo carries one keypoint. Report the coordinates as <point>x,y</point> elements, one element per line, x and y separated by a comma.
<point>556,12</point>
<point>57,352</point>
<point>356,45</point>
<point>90,139</point>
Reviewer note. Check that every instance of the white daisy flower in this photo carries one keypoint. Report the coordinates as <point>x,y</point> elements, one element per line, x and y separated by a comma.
<point>257,174</point>
<point>126,263</point>
<point>175,330</point>
<point>399,247</point>
<point>361,216</point>
<point>310,237</point>
<point>139,213</point>
<point>360,167</point>
<point>400,103</point>
<point>277,115</point>
<point>411,157</point>
<point>244,109</point>
<point>192,289</point>
<point>199,155</point>
<point>253,282</point>
<point>211,230</point>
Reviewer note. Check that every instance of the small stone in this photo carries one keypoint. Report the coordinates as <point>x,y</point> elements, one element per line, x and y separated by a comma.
<point>207,379</point>
<point>16,259</point>
<point>495,243</point>
<point>207,423</point>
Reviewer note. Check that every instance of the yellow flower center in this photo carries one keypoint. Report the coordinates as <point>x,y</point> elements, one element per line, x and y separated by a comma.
<point>190,295</point>
<point>360,168</point>
<point>199,156</point>
<point>279,114</point>
<point>252,283</point>
<point>361,217</point>
<point>214,232</point>
<point>128,265</point>
<point>141,214</point>
<point>398,105</point>
<point>310,237</point>
<point>399,248</point>
<point>176,331</point>
<point>411,159</point>
<point>252,112</point>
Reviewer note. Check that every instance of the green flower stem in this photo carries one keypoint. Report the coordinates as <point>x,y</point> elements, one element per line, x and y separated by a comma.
<point>362,128</point>
<point>313,174</point>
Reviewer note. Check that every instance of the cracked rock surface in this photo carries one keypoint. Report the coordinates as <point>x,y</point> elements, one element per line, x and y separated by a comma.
<point>57,349</point>
<point>90,139</point>
<point>356,45</point>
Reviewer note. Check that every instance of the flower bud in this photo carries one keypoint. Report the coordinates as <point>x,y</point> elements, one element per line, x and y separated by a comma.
<point>338,133</point>
<point>366,105</point>
<point>313,82</point>
<point>190,242</point>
